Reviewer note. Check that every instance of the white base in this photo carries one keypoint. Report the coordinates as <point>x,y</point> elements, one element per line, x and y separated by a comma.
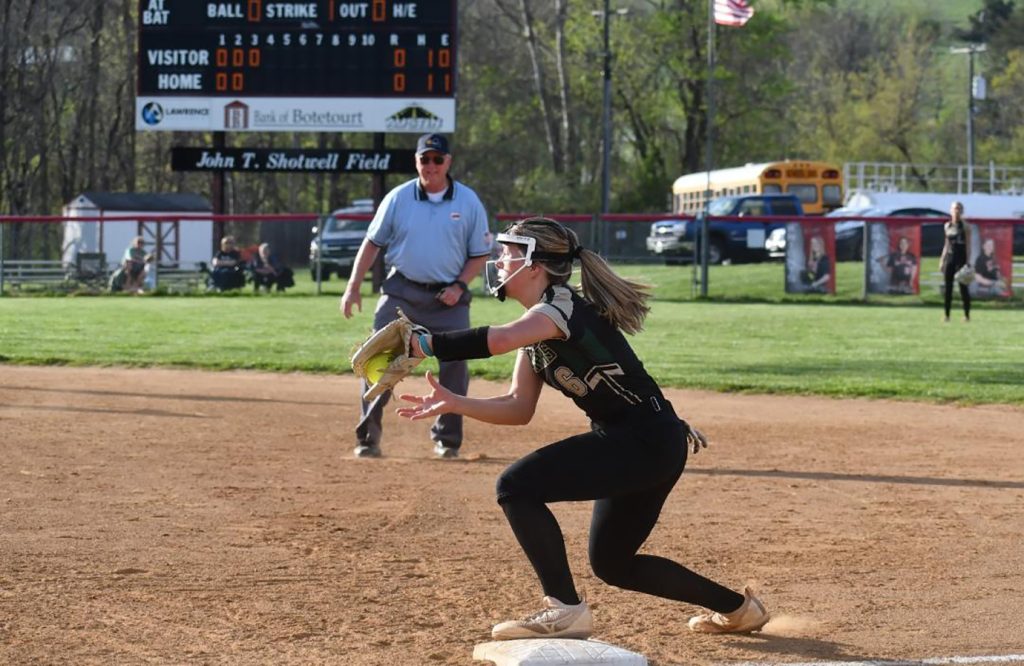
<point>556,651</point>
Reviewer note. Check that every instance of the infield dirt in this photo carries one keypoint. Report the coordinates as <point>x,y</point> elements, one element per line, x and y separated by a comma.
<point>168,516</point>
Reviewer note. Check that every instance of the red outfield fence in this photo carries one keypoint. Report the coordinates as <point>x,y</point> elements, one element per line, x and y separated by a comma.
<point>810,245</point>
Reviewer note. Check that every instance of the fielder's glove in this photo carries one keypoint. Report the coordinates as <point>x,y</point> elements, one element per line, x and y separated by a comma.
<point>396,340</point>
<point>695,439</point>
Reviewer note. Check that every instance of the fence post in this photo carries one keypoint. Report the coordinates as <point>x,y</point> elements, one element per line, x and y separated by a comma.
<point>695,262</point>
<point>866,245</point>
<point>704,255</point>
<point>320,252</point>
<point>1,258</point>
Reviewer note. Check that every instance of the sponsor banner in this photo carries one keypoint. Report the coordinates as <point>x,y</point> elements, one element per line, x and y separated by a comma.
<point>810,258</point>
<point>992,258</point>
<point>270,160</point>
<point>295,114</point>
<point>175,114</point>
<point>894,251</point>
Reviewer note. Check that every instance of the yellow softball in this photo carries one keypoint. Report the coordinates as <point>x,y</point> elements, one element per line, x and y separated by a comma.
<point>376,365</point>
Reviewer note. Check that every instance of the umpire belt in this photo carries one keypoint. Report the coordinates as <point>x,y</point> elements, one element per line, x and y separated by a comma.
<point>432,287</point>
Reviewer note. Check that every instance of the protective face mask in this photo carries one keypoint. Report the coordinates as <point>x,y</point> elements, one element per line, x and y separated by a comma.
<point>492,278</point>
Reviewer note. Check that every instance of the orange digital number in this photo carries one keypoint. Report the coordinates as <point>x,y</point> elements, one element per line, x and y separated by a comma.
<point>399,57</point>
<point>254,57</point>
<point>444,58</point>
<point>237,81</point>
<point>222,81</point>
<point>222,57</point>
<point>237,57</point>
<point>379,11</point>
<point>398,82</point>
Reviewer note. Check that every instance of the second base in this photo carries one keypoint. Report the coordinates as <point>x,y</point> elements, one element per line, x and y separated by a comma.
<point>553,651</point>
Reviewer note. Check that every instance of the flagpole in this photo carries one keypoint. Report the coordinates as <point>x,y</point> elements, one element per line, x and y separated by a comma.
<point>709,148</point>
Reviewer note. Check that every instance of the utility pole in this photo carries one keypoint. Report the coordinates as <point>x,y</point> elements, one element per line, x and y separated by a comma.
<point>709,152</point>
<point>970,50</point>
<point>606,112</point>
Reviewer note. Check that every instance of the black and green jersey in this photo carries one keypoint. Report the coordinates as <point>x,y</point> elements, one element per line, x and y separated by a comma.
<point>594,365</point>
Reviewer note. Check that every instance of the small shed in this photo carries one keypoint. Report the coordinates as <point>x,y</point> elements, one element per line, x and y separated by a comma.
<point>176,242</point>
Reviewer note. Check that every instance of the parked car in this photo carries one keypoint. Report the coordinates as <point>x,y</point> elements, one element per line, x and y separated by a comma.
<point>341,239</point>
<point>775,244</point>
<point>868,203</point>
<point>850,234</point>
<point>727,240</point>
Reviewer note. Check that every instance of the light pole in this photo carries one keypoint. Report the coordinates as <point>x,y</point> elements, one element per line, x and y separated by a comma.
<point>970,50</point>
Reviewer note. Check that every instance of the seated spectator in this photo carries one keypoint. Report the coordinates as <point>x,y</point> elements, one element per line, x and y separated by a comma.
<point>268,271</point>
<point>130,275</point>
<point>228,270</point>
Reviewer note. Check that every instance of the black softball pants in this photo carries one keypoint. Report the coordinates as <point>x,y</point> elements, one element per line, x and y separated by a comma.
<point>629,470</point>
<point>958,260</point>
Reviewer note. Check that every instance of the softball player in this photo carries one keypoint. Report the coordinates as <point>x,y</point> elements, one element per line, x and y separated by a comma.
<point>628,463</point>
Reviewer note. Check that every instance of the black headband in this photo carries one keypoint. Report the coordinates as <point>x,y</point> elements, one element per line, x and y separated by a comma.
<point>558,256</point>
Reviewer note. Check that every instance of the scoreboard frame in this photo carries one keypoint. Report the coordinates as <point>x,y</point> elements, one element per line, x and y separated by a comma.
<point>316,65</point>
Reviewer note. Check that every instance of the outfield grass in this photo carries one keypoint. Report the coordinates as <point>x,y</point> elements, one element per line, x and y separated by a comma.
<point>835,346</point>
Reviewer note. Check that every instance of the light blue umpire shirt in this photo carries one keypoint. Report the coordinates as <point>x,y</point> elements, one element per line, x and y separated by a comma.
<point>429,238</point>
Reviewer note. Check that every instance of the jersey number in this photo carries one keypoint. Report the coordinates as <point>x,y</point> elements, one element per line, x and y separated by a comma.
<point>597,374</point>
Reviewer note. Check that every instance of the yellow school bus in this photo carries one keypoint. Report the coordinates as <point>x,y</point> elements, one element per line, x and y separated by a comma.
<point>819,185</point>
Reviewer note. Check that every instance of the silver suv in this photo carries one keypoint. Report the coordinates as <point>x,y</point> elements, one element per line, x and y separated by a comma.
<point>340,234</point>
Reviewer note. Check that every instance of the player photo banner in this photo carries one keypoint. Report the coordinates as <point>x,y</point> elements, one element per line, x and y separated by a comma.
<point>810,258</point>
<point>894,249</point>
<point>992,258</point>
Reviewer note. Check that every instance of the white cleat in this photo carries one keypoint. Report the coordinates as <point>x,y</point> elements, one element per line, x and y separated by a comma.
<point>751,616</point>
<point>556,620</point>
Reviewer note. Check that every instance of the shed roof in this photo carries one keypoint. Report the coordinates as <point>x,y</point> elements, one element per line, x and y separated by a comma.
<point>143,201</point>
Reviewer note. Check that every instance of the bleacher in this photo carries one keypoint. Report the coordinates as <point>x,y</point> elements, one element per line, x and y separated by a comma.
<point>90,273</point>
<point>21,273</point>
<point>179,279</point>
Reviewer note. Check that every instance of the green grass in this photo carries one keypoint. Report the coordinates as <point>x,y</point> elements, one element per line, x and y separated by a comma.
<point>751,338</point>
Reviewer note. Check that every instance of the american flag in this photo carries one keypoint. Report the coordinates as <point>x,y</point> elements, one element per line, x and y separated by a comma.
<point>732,12</point>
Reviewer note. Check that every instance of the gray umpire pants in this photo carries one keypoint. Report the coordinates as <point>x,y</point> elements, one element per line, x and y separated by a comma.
<point>419,303</point>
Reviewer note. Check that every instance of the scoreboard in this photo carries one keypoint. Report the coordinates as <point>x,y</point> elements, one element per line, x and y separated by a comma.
<point>323,65</point>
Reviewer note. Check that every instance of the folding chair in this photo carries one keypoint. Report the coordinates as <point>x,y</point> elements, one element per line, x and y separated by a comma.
<point>91,269</point>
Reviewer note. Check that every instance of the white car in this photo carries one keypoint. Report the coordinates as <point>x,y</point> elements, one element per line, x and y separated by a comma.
<point>776,243</point>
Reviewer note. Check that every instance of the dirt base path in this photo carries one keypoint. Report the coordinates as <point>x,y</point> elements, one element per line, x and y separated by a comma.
<point>163,516</point>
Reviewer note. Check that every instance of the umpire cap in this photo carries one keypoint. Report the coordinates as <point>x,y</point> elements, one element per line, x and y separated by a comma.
<point>429,142</point>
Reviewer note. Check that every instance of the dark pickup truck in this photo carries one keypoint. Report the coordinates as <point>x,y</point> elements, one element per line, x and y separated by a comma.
<point>728,241</point>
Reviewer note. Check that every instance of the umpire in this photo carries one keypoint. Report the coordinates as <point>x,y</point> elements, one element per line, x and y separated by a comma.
<point>435,237</point>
